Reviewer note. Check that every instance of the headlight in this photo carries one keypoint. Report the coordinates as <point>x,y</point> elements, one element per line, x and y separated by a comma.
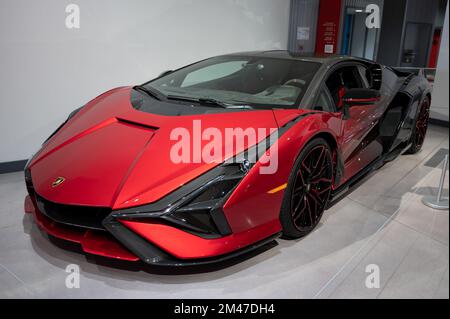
<point>195,207</point>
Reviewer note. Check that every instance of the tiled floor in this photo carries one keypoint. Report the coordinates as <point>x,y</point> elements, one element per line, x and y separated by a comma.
<point>382,223</point>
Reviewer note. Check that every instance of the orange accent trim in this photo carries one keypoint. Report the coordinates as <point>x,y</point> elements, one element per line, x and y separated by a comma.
<point>277,189</point>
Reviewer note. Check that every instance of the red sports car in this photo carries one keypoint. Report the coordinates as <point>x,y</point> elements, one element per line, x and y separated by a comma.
<point>134,174</point>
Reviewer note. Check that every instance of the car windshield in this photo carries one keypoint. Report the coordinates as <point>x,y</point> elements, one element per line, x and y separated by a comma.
<point>257,82</point>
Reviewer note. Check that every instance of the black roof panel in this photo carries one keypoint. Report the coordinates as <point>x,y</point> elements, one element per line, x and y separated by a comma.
<point>283,54</point>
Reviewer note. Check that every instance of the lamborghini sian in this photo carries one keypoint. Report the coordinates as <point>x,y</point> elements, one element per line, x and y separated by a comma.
<point>106,178</point>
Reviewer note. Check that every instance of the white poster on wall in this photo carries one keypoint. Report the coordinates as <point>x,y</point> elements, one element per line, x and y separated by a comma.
<point>303,33</point>
<point>329,48</point>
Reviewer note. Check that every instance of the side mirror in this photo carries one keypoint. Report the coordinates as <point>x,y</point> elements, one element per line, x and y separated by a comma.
<point>361,97</point>
<point>165,73</point>
<point>355,97</point>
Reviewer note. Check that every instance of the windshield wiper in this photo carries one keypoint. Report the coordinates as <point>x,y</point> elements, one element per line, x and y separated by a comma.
<point>150,92</point>
<point>240,106</point>
<point>203,101</point>
<point>213,102</point>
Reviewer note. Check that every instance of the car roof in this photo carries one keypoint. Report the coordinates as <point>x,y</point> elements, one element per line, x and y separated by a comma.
<point>309,57</point>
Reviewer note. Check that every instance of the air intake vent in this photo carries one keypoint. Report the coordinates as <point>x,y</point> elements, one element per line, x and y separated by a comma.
<point>81,216</point>
<point>377,76</point>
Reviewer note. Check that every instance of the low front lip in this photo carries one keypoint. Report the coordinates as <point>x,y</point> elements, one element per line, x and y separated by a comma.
<point>151,254</point>
<point>91,241</point>
<point>127,245</point>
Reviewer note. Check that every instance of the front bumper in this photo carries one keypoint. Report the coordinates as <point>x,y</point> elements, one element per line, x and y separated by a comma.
<point>91,241</point>
<point>124,240</point>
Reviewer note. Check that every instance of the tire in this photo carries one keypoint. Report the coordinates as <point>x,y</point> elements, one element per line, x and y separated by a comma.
<point>308,190</point>
<point>420,128</point>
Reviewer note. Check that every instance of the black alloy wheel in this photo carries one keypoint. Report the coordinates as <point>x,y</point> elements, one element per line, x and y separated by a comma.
<point>421,127</point>
<point>308,190</point>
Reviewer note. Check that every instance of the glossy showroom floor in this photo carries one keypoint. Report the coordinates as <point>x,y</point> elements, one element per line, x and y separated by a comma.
<point>382,222</point>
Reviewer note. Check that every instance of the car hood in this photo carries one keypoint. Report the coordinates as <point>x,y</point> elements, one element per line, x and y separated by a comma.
<point>112,155</point>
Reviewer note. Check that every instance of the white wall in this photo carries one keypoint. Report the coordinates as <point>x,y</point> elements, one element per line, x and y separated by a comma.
<point>440,103</point>
<point>47,70</point>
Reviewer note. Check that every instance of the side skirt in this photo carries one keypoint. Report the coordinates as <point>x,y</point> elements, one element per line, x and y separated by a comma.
<point>362,175</point>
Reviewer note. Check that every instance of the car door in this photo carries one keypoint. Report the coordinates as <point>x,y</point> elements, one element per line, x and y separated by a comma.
<point>359,146</point>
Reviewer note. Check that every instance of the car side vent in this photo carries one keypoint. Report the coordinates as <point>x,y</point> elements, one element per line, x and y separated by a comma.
<point>140,125</point>
<point>377,76</point>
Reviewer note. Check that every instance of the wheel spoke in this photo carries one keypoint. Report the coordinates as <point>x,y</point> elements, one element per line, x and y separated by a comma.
<point>300,174</point>
<point>298,190</point>
<point>302,218</point>
<point>323,191</point>
<point>310,212</point>
<point>422,124</point>
<point>308,170</point>
<point>321,172</point>
<point>297,207</point>
<point>319,161</point>
<point>321,180</point>
<point>316,199</point>
<point>299,212</point>
<point>312,187</point>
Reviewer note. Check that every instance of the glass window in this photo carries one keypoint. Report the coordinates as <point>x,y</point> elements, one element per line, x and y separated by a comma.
<point>366,76</point>
<point>256,81</point>
<point>212,72</point>
<point>342,80</point>
<point>324,102</point>
<point>390,80</point>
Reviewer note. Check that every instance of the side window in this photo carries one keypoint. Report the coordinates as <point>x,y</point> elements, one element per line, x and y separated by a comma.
<point>341,80</point>
<point>389,80</point>
<point>324,102</point>
<point>366,76</point>
<point>212,72</point>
